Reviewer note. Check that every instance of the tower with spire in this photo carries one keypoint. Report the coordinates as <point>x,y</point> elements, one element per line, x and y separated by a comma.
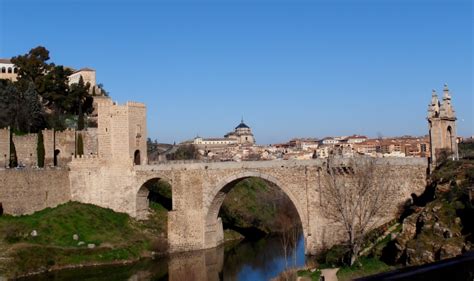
<point>442,127</point>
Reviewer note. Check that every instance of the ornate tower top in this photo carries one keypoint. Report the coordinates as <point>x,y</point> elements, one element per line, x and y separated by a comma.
<point>433,108</point>
<point>446,109</point>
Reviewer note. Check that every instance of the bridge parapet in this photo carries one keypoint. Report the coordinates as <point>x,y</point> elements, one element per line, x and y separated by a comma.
<point>193,164</point>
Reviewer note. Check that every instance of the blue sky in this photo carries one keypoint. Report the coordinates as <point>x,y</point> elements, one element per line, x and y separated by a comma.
<point>291,68</point>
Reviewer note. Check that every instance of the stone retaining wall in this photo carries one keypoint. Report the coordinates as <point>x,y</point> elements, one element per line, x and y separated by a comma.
<point>29,190</point>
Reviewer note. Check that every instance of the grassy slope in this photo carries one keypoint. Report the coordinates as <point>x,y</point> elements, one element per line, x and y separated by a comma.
<point>57,226</point>
<point>366,266</point>
<point>116,235</point>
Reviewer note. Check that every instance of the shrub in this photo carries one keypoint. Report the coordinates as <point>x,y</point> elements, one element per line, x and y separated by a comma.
<point>337,255</point>
<point>40,150</point>
<point>80,145</point>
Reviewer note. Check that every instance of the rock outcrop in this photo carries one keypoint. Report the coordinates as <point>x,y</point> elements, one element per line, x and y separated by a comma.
<point>436,231</point>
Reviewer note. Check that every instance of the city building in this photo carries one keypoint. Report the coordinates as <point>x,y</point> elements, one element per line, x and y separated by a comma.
<point>8,70</point>
<point>242,133</point>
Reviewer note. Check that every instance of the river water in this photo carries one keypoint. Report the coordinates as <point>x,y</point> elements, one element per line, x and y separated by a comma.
<point>248,260</point>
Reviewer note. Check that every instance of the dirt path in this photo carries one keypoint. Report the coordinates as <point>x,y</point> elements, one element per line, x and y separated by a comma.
<point>329,274</point>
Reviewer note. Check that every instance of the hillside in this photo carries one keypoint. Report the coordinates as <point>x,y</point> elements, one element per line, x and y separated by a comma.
<point>440,225</point>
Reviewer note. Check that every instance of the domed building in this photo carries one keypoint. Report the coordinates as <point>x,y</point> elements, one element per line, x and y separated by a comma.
<point>242,134</point>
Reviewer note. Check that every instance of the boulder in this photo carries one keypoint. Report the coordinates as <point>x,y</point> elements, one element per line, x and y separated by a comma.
<point>34,233</point>
<point>91,246</point>
<point>75,237</point>
<point>450,250</point>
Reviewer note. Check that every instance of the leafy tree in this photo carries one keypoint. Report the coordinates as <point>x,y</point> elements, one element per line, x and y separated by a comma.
<point>80,145</point>
<point>42,97</point>
<point>55,89</point>
<point>40,149</point>
<point>32,67</point>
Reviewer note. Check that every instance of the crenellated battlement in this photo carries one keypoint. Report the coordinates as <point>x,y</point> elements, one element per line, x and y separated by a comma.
<point>135,104</point>
<point>121,132</point>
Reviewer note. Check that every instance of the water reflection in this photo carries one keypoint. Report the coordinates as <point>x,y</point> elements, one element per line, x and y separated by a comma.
<point>259,260</point>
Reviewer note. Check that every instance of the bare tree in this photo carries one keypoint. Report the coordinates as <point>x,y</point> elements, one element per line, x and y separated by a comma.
<point>356,195</point>
<point>287,222</point>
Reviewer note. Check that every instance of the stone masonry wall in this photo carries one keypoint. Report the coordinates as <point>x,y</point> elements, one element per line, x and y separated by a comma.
<point>137,130</point>
<point>65,143</point>
<point>48,140</point>
<point>27,191</point>
<point>25,147</point>
<point>89,137</point>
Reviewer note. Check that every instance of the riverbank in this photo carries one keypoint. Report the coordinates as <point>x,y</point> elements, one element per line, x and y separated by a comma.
<point>77,235</point>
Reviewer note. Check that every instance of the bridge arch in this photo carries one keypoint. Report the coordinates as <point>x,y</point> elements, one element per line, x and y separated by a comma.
<point>146,193</point>
<point>213,225</point>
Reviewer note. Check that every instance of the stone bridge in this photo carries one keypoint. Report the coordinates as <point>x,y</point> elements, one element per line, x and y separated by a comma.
<point>199,189</point>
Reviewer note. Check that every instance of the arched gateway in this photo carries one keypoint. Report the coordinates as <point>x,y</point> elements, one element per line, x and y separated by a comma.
<point>214,235</point>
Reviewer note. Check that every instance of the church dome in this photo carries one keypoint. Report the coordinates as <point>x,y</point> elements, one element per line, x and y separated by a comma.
<point>242,125</point>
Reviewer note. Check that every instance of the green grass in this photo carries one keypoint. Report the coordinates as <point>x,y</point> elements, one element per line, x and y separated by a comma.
<point>157,220</point>
<point>57,226</point>
<point>117,236</point>
<point>313,275</point>
<point>367,266</point>
<point>251,203</point>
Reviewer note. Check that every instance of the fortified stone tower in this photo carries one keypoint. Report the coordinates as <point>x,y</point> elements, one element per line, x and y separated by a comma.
<point>122,132</point>
<point>442,126</point>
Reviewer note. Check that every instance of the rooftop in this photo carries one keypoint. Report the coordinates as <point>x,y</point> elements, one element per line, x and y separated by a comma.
<point>242,125</point>
<point>5,61</point>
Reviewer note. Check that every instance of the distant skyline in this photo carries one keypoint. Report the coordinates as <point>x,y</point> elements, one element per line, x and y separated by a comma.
<point>290,68</point>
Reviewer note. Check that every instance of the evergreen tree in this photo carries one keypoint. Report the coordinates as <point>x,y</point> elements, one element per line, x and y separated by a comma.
<point>11,106</point>
<point>80,120</point>
<point>55,89</point>
<point>80,145</point>
<point>79,98</point>
<point>13,158</point>
<point>35,119</point>
<point>40,149</point>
